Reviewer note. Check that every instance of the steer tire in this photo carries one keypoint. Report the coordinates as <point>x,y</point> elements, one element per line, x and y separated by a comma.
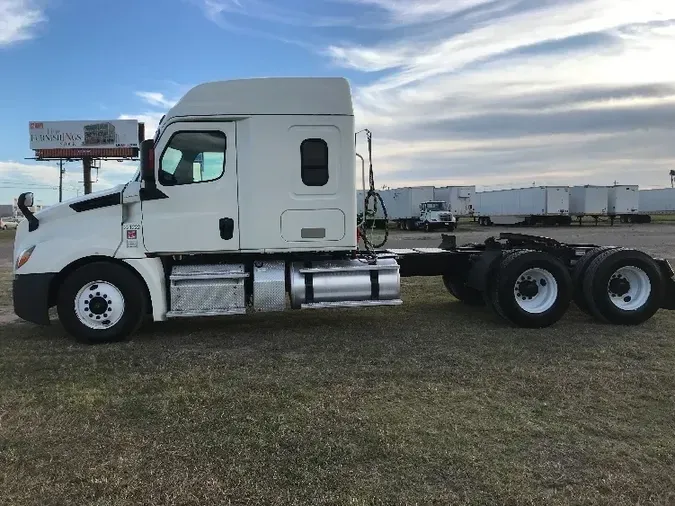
<point>578,275</point>
<point>543,308</point>
<point>634,266</point>
<point>124,283</point>
<point>459,290</point>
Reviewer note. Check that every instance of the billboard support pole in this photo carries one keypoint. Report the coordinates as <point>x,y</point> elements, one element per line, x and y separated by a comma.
<point>86,173</point>
<point>60,179</point>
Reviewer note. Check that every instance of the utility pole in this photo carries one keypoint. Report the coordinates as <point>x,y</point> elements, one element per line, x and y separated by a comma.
<point>61,171</point>
<point>86,172</point>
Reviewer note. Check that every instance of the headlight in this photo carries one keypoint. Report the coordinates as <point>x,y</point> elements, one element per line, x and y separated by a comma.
<point>24,256</point>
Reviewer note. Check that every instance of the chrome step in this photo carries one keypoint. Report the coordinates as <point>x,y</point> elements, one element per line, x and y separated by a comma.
<point>207,290</point>
<point>351,303</point>
<point>190,314</point>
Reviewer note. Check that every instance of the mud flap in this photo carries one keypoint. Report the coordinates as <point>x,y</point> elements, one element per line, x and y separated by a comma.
<point>668,276</point>
<point>482,269</point>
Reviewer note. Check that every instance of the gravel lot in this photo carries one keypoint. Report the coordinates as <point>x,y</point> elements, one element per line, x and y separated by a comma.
<point>657,239</point>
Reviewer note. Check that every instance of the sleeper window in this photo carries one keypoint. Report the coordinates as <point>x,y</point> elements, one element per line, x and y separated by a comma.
<point>193,157</point>
<point>314,162</point>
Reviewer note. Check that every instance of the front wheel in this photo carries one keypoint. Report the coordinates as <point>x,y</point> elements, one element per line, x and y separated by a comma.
<point>531,289</point>
<point>101,302</point>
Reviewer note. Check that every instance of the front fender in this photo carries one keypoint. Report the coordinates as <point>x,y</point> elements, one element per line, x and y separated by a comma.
<point>53,255</point>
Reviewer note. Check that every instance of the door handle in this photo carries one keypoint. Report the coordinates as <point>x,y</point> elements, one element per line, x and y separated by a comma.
<point>226,226</point>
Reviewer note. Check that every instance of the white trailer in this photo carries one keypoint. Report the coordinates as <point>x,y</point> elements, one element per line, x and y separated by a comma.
<point>624,203</point>
<point>459,199</point>
<point>175,242</point>
<point>588,200</point>
<point>656,201</point>
<point>547,205</point>
<point>415,207</point>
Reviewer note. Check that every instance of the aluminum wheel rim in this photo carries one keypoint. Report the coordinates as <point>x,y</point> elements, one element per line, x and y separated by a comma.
<point>99,305</point>
<point>546,290</point>
<point>637,292</point>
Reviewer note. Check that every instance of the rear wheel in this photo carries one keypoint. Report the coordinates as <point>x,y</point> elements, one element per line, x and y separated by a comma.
<point>101,302</point>
<point>578,275</point>
<point>531,289</point>
<point>625,285</point>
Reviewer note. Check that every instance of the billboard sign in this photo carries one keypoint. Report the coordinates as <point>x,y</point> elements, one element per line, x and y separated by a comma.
<point>66,139</point>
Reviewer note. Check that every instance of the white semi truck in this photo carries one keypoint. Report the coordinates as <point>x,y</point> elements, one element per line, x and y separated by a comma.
<point>414,208</point>
<point>186,238</point>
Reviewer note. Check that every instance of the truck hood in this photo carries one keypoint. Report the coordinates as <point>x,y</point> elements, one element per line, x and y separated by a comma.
<point>64,208</point>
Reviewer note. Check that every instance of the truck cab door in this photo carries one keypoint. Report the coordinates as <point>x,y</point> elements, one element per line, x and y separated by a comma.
<point>195,207</point>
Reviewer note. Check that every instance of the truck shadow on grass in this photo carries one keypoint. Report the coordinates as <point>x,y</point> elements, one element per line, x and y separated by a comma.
<point>444,323</point>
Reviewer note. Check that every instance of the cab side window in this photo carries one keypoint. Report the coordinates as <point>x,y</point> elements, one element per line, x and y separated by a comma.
<point>314,162</point>
<point>193,157</point>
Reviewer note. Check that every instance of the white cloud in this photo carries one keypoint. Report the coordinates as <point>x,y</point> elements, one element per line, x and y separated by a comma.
<point>502,91</point>
<point>407,12</point>
<point>43,177</point>
<point>159,104</point>
<point>18,19</point>
<point>224,12</point>
<point>156,98</point>
<point>466,104</point>
<point>150,118</point>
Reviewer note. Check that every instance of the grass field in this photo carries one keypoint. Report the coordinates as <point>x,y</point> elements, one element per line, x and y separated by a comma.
<point>429,403</point>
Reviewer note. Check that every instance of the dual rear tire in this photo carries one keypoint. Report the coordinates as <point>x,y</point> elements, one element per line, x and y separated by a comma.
<point>534,289</point>
<point>618,285</point>
<point>529,289</point>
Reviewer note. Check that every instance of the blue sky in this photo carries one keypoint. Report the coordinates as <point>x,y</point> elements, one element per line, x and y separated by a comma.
<point>495,93</point>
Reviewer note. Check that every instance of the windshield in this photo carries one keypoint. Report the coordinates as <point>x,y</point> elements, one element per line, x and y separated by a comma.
<point>434,206</point>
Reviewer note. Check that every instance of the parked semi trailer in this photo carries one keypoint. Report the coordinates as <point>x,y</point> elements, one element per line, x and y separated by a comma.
<point>107,260</point>
<point>588,201</point>
<point>458,199</point>
<point>655,201</point>
<point>624,203</point>
<point>547,205</point>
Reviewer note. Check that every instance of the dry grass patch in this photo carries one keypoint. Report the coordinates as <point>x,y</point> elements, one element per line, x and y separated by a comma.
<point>429,403</point>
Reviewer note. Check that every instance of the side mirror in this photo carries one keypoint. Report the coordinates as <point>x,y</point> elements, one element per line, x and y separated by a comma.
<point>25,200</point>
<point>147,155</point>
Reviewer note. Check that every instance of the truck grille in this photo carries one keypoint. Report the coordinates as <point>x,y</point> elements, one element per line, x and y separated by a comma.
<point>445,217</point>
